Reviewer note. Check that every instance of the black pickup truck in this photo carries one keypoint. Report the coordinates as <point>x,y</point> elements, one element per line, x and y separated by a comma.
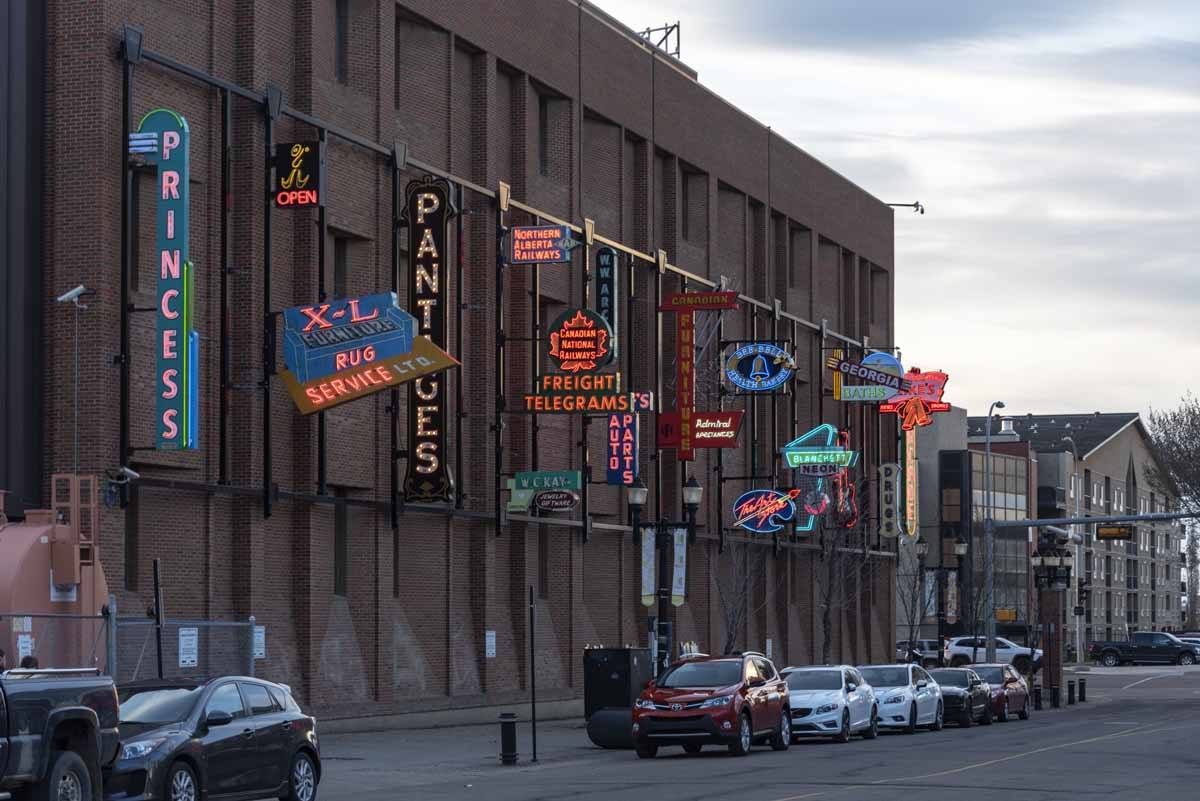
<point>58,729</point>
<point>1145,648</point>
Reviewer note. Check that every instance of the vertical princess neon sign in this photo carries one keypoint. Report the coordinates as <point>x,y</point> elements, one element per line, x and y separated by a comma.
<point>163,138</point>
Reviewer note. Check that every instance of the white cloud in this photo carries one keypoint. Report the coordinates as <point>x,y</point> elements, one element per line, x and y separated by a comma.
<point>1057,154</point>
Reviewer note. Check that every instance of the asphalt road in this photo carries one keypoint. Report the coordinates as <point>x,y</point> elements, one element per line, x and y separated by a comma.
<point>1134,739</point>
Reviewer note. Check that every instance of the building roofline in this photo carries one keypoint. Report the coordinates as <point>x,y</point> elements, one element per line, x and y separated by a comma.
<point>1137,418</point>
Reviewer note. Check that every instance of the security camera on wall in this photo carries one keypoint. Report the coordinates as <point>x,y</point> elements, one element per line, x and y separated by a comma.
<point>73,295</point>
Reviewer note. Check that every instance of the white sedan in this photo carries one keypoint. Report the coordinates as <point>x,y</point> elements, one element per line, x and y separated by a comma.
<point>908,697</point>
<point>831,701</point>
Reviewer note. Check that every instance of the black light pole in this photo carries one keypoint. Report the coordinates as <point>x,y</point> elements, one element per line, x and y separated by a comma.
<point>636,494</point>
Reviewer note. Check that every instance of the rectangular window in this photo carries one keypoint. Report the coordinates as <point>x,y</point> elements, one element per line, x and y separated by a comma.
<point>685,206</point>
<point>341,45</point>
<point>131,539</point>
<point>341,265</point>
<point>544,134</point>
<point>543,563</point>
<point>341,542</point>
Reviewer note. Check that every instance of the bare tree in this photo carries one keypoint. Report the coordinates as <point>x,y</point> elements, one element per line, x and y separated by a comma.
<point>911,593</point>
<point>1175,472</point>
<point>846,566</point>
<point>1192,565</point>
<point>741,578</point>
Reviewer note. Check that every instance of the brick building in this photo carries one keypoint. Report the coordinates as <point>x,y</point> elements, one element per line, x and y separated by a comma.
<point>584,121</point>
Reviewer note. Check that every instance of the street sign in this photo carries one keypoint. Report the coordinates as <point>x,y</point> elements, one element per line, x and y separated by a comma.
<point>189,647</point>
<point>1115,531</point>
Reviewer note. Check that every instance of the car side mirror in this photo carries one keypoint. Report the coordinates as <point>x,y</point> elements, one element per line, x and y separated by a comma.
<point>922,684</point>
<point>851,687</point>
<point>759,682</point>
<point>650,684</point>
<point>218,717</point>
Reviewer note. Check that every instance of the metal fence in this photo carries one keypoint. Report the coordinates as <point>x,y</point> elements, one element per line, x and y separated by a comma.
<point>127,648</point>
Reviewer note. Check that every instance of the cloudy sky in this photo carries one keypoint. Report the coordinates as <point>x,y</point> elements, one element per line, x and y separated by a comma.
<point>1056,145</point>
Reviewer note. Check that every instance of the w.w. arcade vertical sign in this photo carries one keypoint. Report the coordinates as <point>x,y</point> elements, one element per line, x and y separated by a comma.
<point>428,209</point>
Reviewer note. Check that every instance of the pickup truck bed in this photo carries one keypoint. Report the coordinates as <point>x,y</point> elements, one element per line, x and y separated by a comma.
<point>53,723</point>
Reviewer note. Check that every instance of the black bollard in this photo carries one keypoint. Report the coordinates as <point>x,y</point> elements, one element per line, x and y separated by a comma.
<point>508,738</point>
<point>1070,692</point>
<point>1056,697</point>
<point>1037,699</point>
<point>1083,691</point>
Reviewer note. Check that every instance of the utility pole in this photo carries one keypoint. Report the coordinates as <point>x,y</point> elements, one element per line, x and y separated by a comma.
<point>989,537</point>
<point>1078,490</point>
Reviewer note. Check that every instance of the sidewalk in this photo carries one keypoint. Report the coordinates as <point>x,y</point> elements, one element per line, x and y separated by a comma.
<point>359,763</point>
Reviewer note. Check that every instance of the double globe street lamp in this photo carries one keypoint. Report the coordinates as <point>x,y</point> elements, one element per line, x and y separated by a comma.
<point>636,495</point>
<point>943,574</point>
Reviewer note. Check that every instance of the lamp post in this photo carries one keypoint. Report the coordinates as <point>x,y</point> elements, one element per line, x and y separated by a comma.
<point>989,536</point>
<point>636,497</point>
<point>1078,490</point>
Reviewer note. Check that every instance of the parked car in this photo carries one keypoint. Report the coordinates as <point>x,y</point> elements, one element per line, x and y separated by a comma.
<point>230,736</point>
<point>1010,691</point>
<point>907,695</point>
<point>930,651</point>
<point>58,730</point>
<point>1145,648</point>
<point>966,697</point>
<point>734,700</point>
<point>831,702</point>
<point>961,651</point>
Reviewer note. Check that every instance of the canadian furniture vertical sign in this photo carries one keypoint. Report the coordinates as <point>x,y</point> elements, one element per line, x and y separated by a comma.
<point>428,210</point>
<point>163,138</point>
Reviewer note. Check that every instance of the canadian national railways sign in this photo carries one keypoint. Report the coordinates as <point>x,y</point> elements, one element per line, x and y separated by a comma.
<point>427,211</point>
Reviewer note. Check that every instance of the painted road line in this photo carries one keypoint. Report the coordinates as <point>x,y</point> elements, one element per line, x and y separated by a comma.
<point>1150,678</point>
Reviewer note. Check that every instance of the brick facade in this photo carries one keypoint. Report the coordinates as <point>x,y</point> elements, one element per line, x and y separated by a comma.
<point>488,92</point>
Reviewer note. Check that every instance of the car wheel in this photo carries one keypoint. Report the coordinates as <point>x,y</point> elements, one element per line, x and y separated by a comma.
<point>181,784</point>
<point>782,738</point>
<point>302,778</point>
<point>68,778</point>
<point>647,751</point>
<point>986,720</point>
<point>843,735</point>
<point>1024,713</point>
<point>1187,659</point>
<point>1110,660</point>
<point>1004,710</point>
<point>872,731</point>
<point>745,738</point>
<point>911,728</point>
<point>692,748</point>
<point>939,719</point>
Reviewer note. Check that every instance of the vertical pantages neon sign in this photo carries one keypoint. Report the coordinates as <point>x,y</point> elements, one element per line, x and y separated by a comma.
<point>428,210</point>
<point>163,138</point>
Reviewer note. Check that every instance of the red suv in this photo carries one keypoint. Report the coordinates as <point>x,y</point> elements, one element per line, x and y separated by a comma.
<point>734,700</point>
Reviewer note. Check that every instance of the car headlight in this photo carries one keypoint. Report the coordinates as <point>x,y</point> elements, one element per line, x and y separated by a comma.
<point>895,699</point>
<point>821,710</point>
<point>140,749</point>
<point>644,703</point>
<point>720,700</point>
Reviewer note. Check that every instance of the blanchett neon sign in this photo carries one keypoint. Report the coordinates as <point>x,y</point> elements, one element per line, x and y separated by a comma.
<point>163,138</point>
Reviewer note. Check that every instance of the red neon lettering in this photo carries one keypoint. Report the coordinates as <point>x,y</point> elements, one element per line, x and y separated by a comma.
<point>314,314</point>
<point>314,395</point>
<point>168,344</point>
<point>170,185</point>
<point>170,264</point>
<point>355,317</point>
<point>170,429</point>
<point>296,197</point>
<point>170,142</point>
<point>168,378</point>
<point>164,304</point>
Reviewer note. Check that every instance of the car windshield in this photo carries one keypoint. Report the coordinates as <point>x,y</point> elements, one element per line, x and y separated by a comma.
<point>165,705</point>
<point>815,680</point>
<point>950,678</point>
<point>992,675</point>
<point>703,674</point>
<point>885,676</point>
